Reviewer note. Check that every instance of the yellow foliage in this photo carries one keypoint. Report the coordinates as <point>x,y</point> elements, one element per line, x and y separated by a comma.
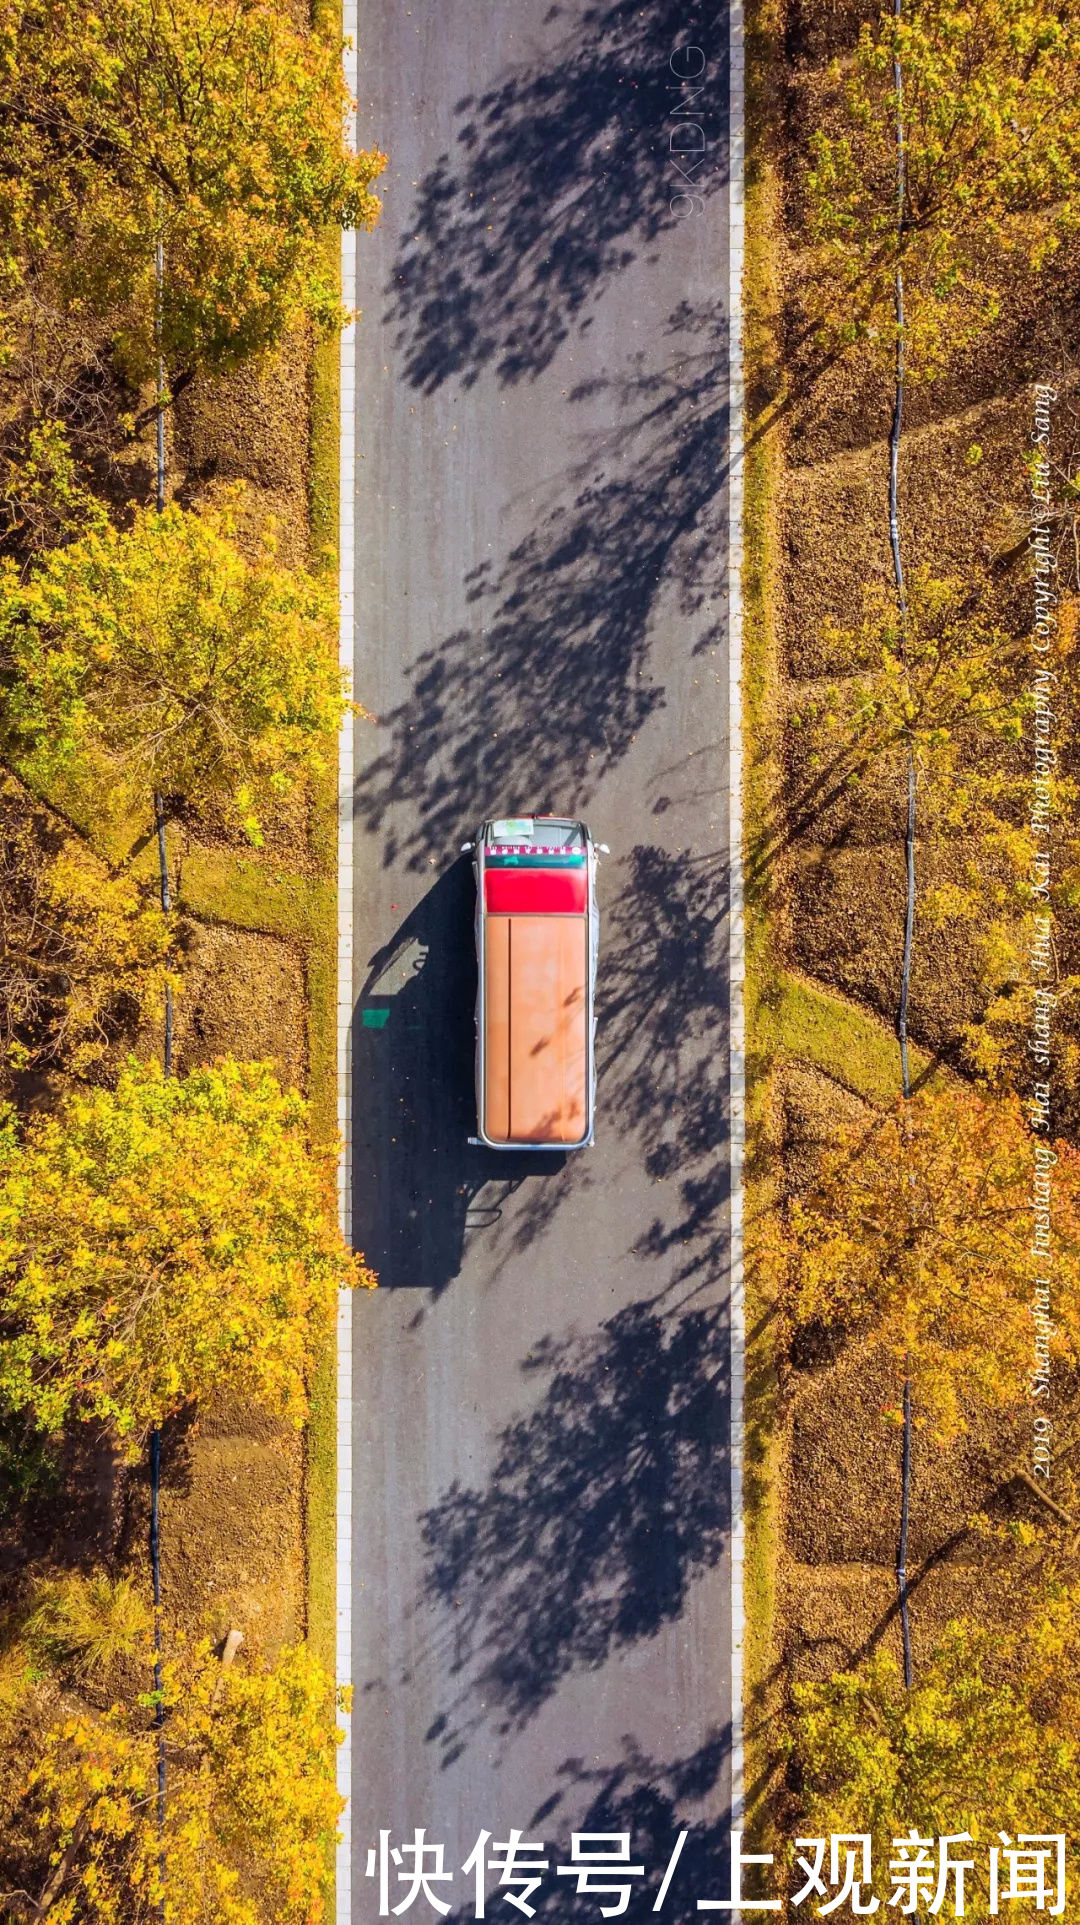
<point>81,947</point>
<point>984,1743</point>
<point>173,662</point>
<point>43,500</point>
<point>951,690</point>
<point>946,685</point>
<point>996,1046</point>
<point>160,1238</point>
<point>992,167</point>
<point>218,132</point>
<point>251,1810</point>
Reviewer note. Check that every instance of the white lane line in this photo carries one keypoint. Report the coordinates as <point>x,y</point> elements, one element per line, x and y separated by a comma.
<point>346,655</point>
<point>736,924</point>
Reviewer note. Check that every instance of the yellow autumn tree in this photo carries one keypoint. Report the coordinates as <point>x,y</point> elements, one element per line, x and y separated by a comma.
<point>219,132</point>
<point>984,1742</point>
<point>162,1238</point>
<point>949,688</point>
<point>991,116</point>
<point>176,662</point>
<point>945,684</point>
<point>918,1232</point>
<point>82,949</point>
<point>44,498</point>
<point>250,1817</point>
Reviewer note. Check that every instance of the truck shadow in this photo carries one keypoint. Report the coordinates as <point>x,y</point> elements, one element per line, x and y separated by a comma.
<point>417,1180</point>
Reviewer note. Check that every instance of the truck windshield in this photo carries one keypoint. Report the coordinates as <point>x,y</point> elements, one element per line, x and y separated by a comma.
<point>537,834</point>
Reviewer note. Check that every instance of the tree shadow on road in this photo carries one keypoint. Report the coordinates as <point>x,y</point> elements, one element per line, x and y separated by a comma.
<point>652,1801</point>
<point>562,174</point>
<point>663,1047</point>
<point>604,1502</point>
<point>545,693</point>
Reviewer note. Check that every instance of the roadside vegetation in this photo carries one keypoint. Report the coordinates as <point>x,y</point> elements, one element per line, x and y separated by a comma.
<point>161,659</point>
<point>991,129</point>
<point>172,183</point>
<point>161,1238</point>
<point>890,1230</point>
<point>986,1738</point>
<point>218,136</point>
<point>251,1783</point>
<point>916,1233</point>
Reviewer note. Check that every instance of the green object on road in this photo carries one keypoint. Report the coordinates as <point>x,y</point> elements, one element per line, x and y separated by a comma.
<point>375,1018</point>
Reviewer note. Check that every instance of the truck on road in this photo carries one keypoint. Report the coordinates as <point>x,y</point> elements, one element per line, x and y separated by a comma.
<point>537,934</point>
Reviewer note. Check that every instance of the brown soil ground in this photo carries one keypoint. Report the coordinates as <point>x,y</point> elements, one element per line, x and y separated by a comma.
<point>231,1526</point>
<point>242,995</point>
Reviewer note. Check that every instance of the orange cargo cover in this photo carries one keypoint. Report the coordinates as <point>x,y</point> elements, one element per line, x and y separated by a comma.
<point>535,1013</point>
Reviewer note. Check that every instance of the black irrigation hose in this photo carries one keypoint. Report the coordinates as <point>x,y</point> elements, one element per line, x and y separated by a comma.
<point>159,1708</point>
<point>163,869</point>
<point>155,1436</point>
<point>166,905</point>
<point>909,836</point>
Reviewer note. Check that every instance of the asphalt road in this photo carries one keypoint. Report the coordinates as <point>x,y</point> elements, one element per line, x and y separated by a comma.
<point>541,1514</point>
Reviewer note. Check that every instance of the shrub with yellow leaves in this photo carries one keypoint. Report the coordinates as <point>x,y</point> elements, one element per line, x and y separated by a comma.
<point>979,1745</point>
<point>82,948</point>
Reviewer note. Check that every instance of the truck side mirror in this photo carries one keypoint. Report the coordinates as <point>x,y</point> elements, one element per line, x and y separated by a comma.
<point>603,848</point>
<point>467,848</point>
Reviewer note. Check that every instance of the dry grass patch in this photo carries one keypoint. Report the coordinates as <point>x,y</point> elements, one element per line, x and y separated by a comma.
<point>252,427</point>
<point>232,1526</point>
<point>244,996</point>
<point>847,905</point>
